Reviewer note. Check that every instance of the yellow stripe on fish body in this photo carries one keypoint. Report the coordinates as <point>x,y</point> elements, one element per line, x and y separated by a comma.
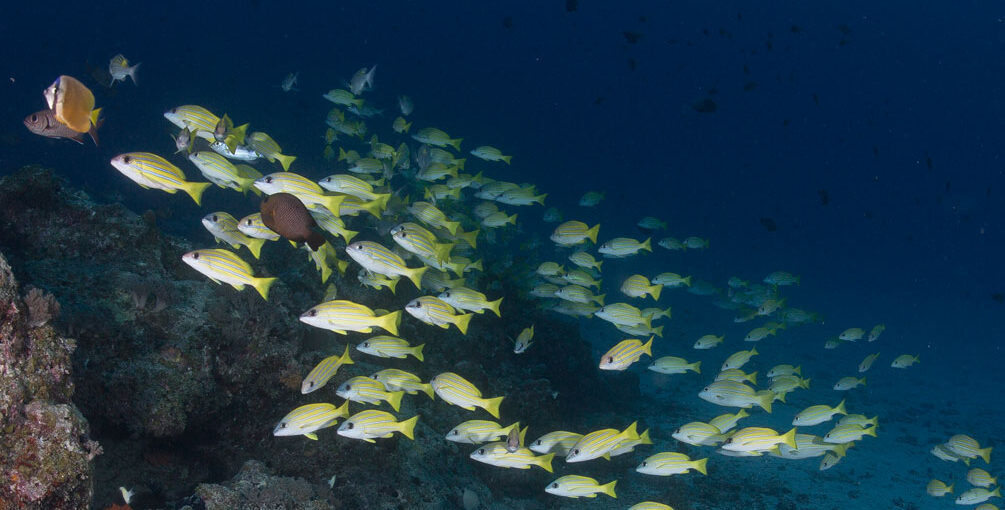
<point>580,277</point>
<point>815,415</point>
<point>430,215</point>
<point>623,314</point>
<point>848,433</point>
<point>350,185</point>
<point>638,286</point>
<point>758,439</point>
<point>600,443</point>
<point>225,266</point>
<point>738,359</point>
<point>352,206</point>
<point>377,281</point>
<point>735,374</point>
<point>400,380</point>
<point>435,311</point>
<point>575,486</point>
<point>253,226</point>
<point>674,365</point>
<point>378,259</point>
<point>152,171</point>
<point>497,454</point>
<point>650,505</point>
<point>464,298</point>
<point>585,259</point>
<point>981,478</point>
<point>558,442</point>
<point>324,371</point>
<point>574,232</point>
<point>671,463</point>
<point>456,390</point>
<point>372,424</point>
<point>220,171</point>
<point>478,431</point>
<point>365,389</point>
<point>699,434</point>
<point>436,171</point>
<point>521,196</point>
<point>735,394</point>
<point>390,347</point>
<point>938,488</point>
<point>968,447</point>
<point>329,222</point>
<point>489,153</point>
<point>303,188</point>
<point>224,228</point>
<point>624,247</point>
<point>307,419</point>
<point>628,445</point>
<point>726,422</point>
<point>626,352</point>
<point>264,144</point>
<point>200,121</point>
<point>341,316</point>
<point>866,363</point>
<point>416,239</point>
<point>437,137</point>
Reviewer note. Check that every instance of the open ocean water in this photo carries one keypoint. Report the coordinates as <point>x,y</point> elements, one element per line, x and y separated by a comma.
<point>857,145</point>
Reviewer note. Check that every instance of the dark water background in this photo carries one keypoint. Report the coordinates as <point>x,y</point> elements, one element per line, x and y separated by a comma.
<point>892,110</point>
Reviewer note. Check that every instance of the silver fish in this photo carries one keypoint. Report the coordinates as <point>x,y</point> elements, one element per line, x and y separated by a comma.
<point>290,82</point>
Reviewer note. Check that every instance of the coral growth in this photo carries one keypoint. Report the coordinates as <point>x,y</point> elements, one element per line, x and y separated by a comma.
<point>42,307</point>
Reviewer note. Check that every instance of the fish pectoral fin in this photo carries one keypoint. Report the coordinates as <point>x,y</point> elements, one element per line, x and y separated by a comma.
<point>311,435</point>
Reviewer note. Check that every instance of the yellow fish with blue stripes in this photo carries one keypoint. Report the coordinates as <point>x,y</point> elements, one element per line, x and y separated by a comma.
<point>371,391</point>
<point>263,144</point>
<point>671,463</point>
<point>471,300</point>
<point>436,312</point>
<point>418,240</point>
<point>574,232</point>
<point>638,286</point>
<point>400,380</point>
<point>218,170</point>
<point>479,431</point>
<point>253,226</point>
<point>600,443</point>
<point>225,229</point>
<point>342,316</point>
<point>154,172</point>
<point>223,266</point>
<point>815,415</point>
<point>390,347</point>
<point>199,121</point>
<point>498,454</point>
<point>758,439</point>
<point>378,259</point>
<point>324,371</point>
<point>432,216</point>
<point>456,390</point>
<point>307,419</point>
<point>575,486</point>
<point>351,185</point>
<point>626,352</point>
<point>373,424</point>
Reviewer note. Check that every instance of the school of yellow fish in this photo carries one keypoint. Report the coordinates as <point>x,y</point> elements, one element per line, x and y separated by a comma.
<point>430,248</point>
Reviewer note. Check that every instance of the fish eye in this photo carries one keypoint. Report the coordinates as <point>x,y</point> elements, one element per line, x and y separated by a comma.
<point>418,305</point>
<point>481,451</point>
<point>644,463</point>
<point>366,344</point>
<point>126,159</point>
<point>34,117</point>
<point>349,425</point>
<point>447,294</point>
<point>310,384</point>
<point>538,442</point>
<point>282,425</point>
<point>215,219</point>
<point>348,387</point>
<point>454,432</point>
<point>730,440</point>
<point>195,255</point>
<point>575,452</point>
<point>250,223</point>
<point>268,179</point>
<point>313,313</point>
<point>554,486</point>
<point>706,388</point>
<point>610,359</point>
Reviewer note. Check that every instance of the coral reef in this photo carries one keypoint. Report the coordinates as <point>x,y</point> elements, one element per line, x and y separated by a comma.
<point>45,446</point>
<point>256,487</point>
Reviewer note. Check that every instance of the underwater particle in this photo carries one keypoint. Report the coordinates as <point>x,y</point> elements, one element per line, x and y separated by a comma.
<point>768,224</point>
<point>508,22</point>
<point>704,106</point>
<point>632,63</point>
<point>824,196</point>
<point>998,297</point>
<point>632,37</point>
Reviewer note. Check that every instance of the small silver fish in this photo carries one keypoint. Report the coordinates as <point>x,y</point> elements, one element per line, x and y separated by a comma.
<point>119,68</point>
<point>183,142</point>
<point>290,82</point>
<point>362,80</point>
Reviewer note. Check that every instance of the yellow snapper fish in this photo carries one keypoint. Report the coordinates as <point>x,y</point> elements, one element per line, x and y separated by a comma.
<point>371,391</point>
<point>735,374</point>
<point>550,269</point>
<point>977,495</point>
<point>938,488</point>
<point>362,80</point>
<point>428,213</point>
<point>600,443</point>
<point>591,199</point>
<point>586,260</point>
<point>456,390</point>
<point>263,144</point>
<point>580,277</point>
<point>377,281</point>
<point>758,334</point>
<point>672,280</point>
<point>303,188</point>
<point>352,206</point>
<point>224,228</point>
<point>463,298</point>
<point>367,166</point>
<point>151,171</point>
<point>852,334</point>
<point>574,232</point>
<point>738,359</point>
<point>373,424</point>
<point>650,505</point>
<point>671,463</point>
<point>672,244</point>
<point>198,120</point>
<point>438,192</point>
<point>904,361</point>
<point>858,419</point>
<point>699,433</point>
<point>342,316</point>
<point>119,69</point>
<point>968,448</point>
<point>579,294</point>
<point>575,486</point>
<point>436,171</point>
<point>438,281</point>
<point>781,279</point>
<point>866,363</point>
<point>876,331</point>
<point>478,432</point>
<point>788,383</point>
<point>981,478</point>
<point>218,170</point>
<point>434,311</point>
<point>385,346</point>
<point>521,196</point>
<point>253,226</point>
<point>726,422</point>
<point>375,258</point>
<point>652,223</point>
<point>626,352</point>
<point>489,153</point>
<point>324,371</point>
<point>558,442</point>
<point>708,342</point>
<point>400,380</point>
<point>621,247</point>
<point>848,383</point>
<point>223,266</point>
<point>498,454</point>
<point>523,340</point>
<point>758,439</point>
<point>437,137</point>
<point>416,239</point>
<point>498,219</point>
<point>400,125</point>
<point>674,365</point>
<point>848,433</point>
<point>944,453</point>
<point>696,243</point>
<point>623,314</point>
<point>809,446</point>
<point>815,415</point>
<point>640,330</point>
<point>638,286</point>
<point>735,394</point>
<point>342,97</point>
<point>308,419</point>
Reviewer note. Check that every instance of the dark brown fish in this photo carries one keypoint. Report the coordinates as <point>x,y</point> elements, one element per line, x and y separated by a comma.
<point>286,215</point>
<point>513,442</point>
<point>44,123</point>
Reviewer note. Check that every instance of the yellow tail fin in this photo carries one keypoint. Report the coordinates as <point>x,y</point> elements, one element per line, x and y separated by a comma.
<point>461,321</point>
<point>631,433</point>
<point>394,398</point>
<point>789,438</point>
<point>344,359</point>
<point>416,275</point>
<point>333,203</point>
<point>390,322</point>
<point>407,427</point>
<point>456,142</point>
<point>262,285</point>
<point>417,352</point>
<point>648,346</point>
<point>544,461</point>
<point>492,405</point>
<point>255,246</point>
<point>591,234</point>
<point>451,226</point>
<point>984,454</point>
<point>608,489</point>
<point>647,244</point>
<point>699,466</point>
<point>494,306</point>
<point>507,159</point>
<point>286,161</point>
<point>470,237</point>
<point>195,190</point>
<point>655,290</point>
<point>428,390</point>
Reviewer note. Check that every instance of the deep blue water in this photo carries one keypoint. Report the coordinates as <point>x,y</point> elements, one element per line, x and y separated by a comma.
<point>892,109</point>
